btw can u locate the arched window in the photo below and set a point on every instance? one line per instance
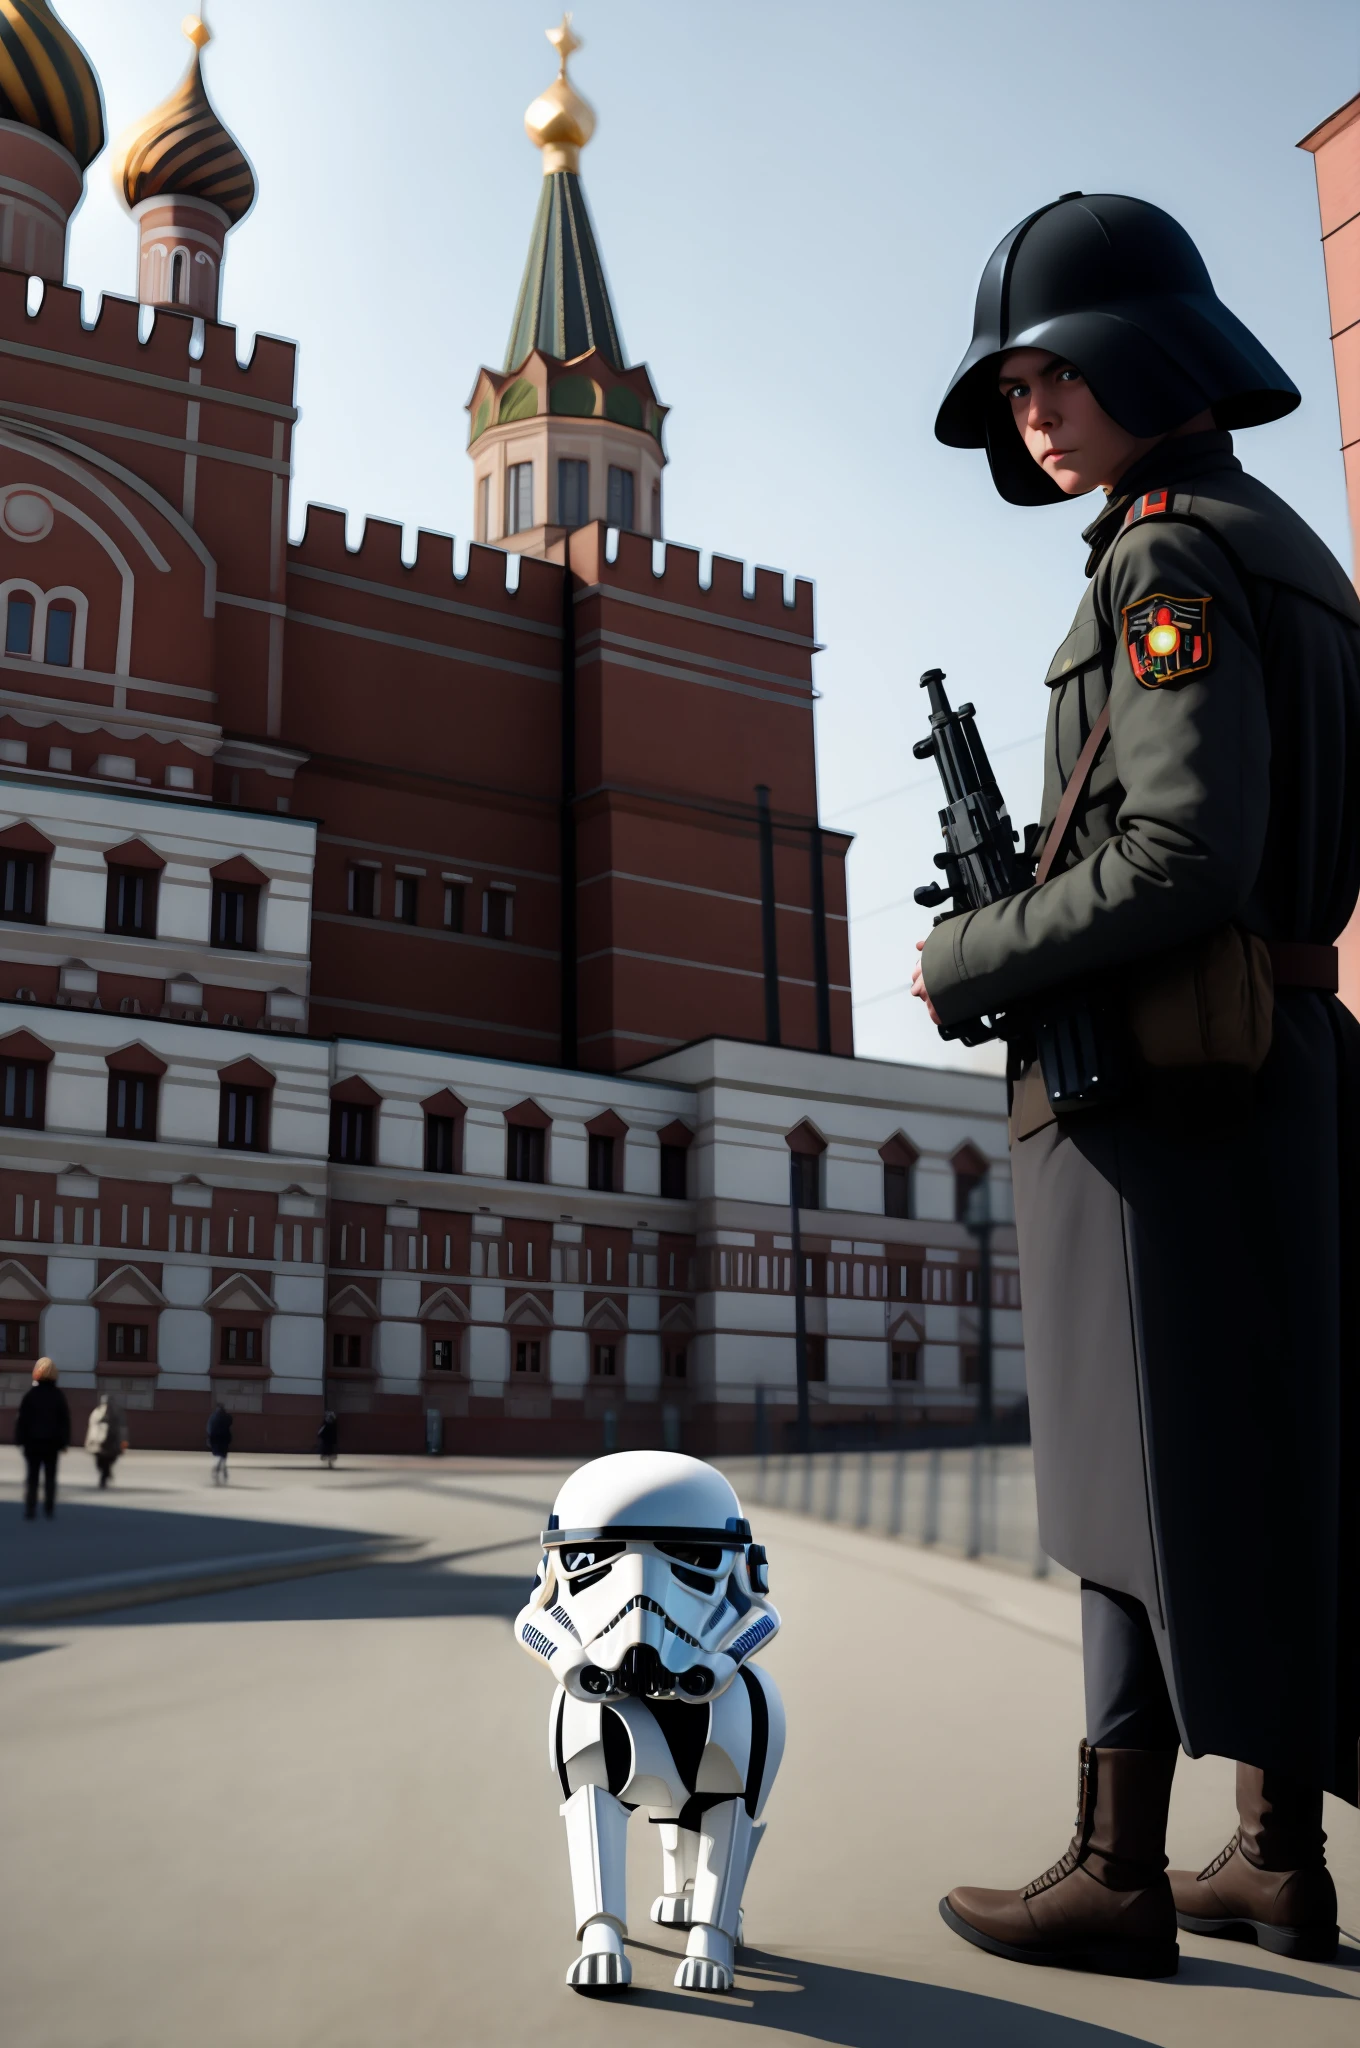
(60, 634)
(19, 624)
(179, 279)
(899, 1173)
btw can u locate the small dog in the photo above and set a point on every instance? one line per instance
(650, 1598)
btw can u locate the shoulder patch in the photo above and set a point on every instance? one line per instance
(1167, 637)
(1143, 508)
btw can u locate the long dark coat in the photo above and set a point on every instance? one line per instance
(1192, 1312)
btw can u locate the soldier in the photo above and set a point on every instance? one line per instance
(1191, 1322)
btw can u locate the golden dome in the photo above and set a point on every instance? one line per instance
(46, 80)
(181, 150)
(560, 122)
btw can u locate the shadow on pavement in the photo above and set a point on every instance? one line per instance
(1230, 1976)
(388, 1592)
(89, 1540)
(859, 2009)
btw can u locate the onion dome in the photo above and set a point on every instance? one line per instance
(182, 151)
(564, 308)
(46, 80)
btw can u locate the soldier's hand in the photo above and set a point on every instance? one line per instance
(918, 987)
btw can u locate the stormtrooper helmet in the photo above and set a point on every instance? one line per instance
(649, 1584)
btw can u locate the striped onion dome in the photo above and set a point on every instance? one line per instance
(46, 80)
(182, 151)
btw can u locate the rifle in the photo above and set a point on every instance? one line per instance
(1080, 1054)
(982, 861)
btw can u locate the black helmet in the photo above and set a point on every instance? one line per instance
(1118, 288)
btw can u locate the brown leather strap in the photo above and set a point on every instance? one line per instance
(1295, 964)
(1072, 795)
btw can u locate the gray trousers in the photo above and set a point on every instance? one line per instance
(1127, 1702)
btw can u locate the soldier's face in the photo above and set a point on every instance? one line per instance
(1064, 429)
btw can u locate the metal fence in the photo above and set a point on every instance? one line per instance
(977, 1502)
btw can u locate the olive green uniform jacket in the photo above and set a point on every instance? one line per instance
(1191, 1299)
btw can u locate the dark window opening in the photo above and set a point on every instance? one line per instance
(444, 1354)
(347, 1351)
(454, 906)
(528, 1355)
(244, 1117)
(967, 1181)
(179, 285)
(519, 497)
(19, 625)
(816, 1357)
(622, 490)
(21, 892)
(677, 1363)
(807, 1179)
(18, 1340)
(498, 913)
(524, 1152)
(363, 892)
(441, 1134)
(129, 1340)
(601, 1165)
(573, 493)
(674, 1172)
(352, 1133)
(132, 1105)
(897, 1191)
(906, 1363)
(61, 634)
(22, 1091)
(604, 1363)
(131, 903)
(405, 895)
(241, 1346)
(235, 914)
(971, 1368)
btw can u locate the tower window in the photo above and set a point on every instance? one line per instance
(674, 1172)
(131, 902)
(519, 497)
(363, 892)
(573, 493)
(61, 633)
(896, 1190)
(524, 1152)
(239, 1346)
(498, 913)
(128, 1340)
(235, 914)
(242, 1119)
(622, 491)
(528, 1355)
(484, 508)
(404, 896)
(807, 1178)
(179, 279)
(906, 1364)
(21, 895)
(601, 1164)
(352, 1133)
(132, 1106)
(605, 1361)
(440, 1141)
(22, 1088)
(453, 906)
(19, 624)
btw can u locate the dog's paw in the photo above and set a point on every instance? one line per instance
(701, 1973)
(673, 1909)
(600, 1973)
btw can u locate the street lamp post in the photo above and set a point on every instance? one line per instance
(981, 1223)
(799, 1310)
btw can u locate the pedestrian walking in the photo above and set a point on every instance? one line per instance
(219, 1442)
(328, 1439)
(1185, 1091)
(42, 1430)
(106, 1436)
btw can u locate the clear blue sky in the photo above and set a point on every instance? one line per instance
(794, 203)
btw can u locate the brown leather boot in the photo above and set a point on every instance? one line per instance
(1106, 1904)
(1270, 1884)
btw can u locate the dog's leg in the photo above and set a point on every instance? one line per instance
(724, 1858)
(597, 1840)
(679, 1862)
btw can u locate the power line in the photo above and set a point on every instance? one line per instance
(922, 782)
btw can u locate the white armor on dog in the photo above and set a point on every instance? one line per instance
(650, 1599)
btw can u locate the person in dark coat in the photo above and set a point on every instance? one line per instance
(1190, 1316)
(42, 1429)
(219, 1442)
(328, 1439)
